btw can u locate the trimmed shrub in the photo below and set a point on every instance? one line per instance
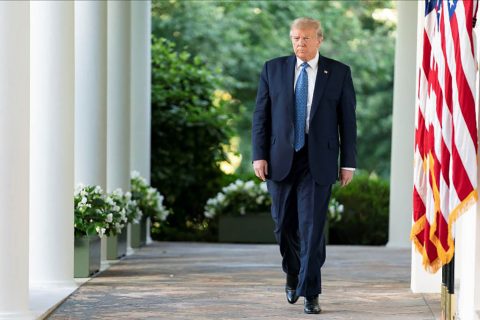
(364, 220)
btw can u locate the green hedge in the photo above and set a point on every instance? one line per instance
(366, 208)
(190, 127)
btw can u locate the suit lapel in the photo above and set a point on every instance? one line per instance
(322, 77)
(290, 76)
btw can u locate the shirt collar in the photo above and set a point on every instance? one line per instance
(312, 63)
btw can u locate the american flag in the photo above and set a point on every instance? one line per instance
(445, 158)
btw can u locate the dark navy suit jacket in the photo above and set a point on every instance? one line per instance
(332, 127)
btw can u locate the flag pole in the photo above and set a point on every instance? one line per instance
(448, 305)
(451, 308)
(444, 293)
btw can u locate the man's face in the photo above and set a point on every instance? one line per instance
(305, 43)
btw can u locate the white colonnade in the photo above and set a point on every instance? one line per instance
(65, 93)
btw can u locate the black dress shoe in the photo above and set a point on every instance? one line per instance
(311, 305)
(291, 289)
(291, 295)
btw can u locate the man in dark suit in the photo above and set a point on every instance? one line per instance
(304, 117)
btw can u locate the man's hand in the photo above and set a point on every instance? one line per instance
(346, 176)
(261, 169)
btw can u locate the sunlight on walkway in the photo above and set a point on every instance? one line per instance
(228, 281)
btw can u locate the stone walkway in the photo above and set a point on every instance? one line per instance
(198, 281)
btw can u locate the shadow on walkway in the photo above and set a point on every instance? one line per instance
(193, 281)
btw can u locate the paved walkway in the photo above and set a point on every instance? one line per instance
(197, 281)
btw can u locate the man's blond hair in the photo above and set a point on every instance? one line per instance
(307, 23)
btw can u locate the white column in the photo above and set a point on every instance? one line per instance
(140, 84)
(467, 264)
(140, 95)
(118, 101)
(14, 158)
(51, 144)
(118, 105)
(91, 93)
(421, 281)
(403, 124)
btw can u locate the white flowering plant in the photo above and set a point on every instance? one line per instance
(239, 198)
(134, 214)
(149, 200)
(90, 210)
(116, 209)
(335, 210)
(104, 214)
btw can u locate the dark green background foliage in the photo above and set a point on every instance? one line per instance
(227, 43)
(238, 36)
(365, 217)
(187, 133)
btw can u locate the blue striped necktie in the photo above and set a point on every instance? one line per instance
(301, 96)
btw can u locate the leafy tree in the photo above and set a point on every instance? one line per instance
(190, 127)
(238, 36)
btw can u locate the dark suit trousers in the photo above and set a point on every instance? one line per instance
(299, 207)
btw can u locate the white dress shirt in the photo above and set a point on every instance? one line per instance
(312, 77)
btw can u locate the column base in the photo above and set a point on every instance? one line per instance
(149, 236)
(130, 251)
(398, 245)
(47, 297)
(22, 315)
(421, 280)
(53, 284)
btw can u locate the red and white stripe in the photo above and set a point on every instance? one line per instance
(445, 158)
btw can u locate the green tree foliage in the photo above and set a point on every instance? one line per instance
(189, 128)
(238, 36)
